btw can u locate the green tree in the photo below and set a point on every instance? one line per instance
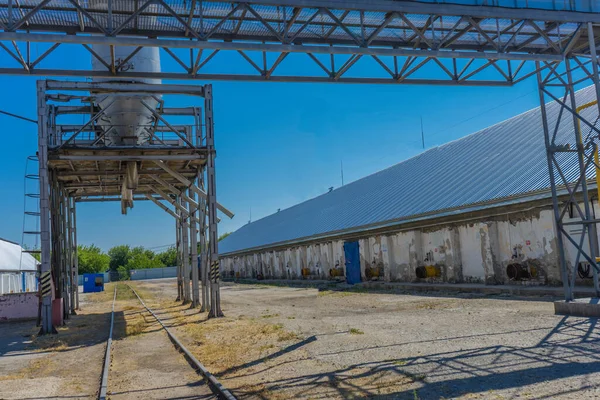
(223, 236)
(123, 273)
(119, 256)
(91, 259)
(141, 260)
(140, 250)
(168, 257)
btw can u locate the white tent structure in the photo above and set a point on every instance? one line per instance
(17, 269)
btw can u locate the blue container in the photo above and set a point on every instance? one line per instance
(93, 283)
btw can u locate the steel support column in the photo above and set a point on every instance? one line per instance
(75, 254)
(211, 198)
(203, 249)
(187, 298)
(66, 292)
(596, 80)
(569, 160)
(70, 254)
(194, 251)
(179, 248)
(45, 245)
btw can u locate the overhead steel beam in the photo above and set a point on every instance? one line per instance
(161, 205)
(103, 199)
(446, 8)
(392, 30)
(193, 187)
(267, 47)
(254, 78)
(116, 157)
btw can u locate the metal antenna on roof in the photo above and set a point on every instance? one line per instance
(422, 133)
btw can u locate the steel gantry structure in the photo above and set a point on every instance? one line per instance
(174, 169)
(451, 42)
(266, 40)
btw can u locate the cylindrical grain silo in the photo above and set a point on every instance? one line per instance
(127, 118)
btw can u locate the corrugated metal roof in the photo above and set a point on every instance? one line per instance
(504, 160)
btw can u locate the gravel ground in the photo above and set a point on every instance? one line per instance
(67, 365)
(144, 362)
(390, 346)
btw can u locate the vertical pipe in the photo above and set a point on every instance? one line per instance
(185, 254)
(213, 236)
(194, 251)
(550, 158)
(45, 243)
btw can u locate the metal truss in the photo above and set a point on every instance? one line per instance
(380, 41)
(79, 163)
(571, 160)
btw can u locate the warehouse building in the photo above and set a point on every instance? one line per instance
(17, 269)
(477, 209)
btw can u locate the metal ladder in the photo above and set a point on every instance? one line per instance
(31, 208)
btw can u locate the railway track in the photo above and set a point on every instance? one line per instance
(217, 389)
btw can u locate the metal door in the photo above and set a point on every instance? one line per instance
(352, 256)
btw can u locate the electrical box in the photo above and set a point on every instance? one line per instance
(93, 283)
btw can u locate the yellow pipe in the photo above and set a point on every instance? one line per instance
(577, 110)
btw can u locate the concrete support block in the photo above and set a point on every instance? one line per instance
(587, 307)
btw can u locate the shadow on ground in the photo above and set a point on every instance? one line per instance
(571, 349)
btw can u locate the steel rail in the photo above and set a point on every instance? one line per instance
(106, 367)
(215, 385)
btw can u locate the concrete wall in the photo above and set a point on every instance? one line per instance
(18, 306)
(153, 273)
(478, 251)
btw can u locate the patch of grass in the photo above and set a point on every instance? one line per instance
(291, 317)
(400, 362)
(39, 367)
(224, 344)
(287, 335)
(270, 316)
(135, 325)
(434, 305)
(355, 331)
(124, 292)
(335, 293)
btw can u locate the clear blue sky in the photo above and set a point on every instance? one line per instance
(277, 144)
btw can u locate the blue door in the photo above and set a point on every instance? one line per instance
(352, 256)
